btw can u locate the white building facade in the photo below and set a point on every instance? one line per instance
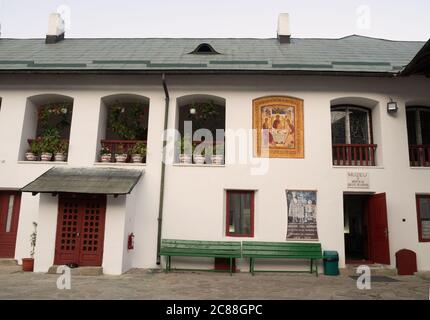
(195, 197)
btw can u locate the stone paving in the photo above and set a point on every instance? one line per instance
(147, 284)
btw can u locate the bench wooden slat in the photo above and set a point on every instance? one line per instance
(197, 248)
(281, 250)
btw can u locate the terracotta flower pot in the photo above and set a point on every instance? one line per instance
(28, 264)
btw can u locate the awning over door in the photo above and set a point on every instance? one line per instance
(109, 181)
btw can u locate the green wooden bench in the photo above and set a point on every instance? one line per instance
(281, 250)
(208, 249)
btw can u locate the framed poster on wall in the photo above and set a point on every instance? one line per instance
(302, 215)
(278, 127)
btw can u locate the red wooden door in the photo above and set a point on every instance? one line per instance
(80, 230)
(10, 203)
(378, 229)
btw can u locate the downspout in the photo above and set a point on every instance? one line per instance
(163, 167)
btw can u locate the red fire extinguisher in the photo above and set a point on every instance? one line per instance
(130, 242)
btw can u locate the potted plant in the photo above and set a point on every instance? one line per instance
(49, 142)
(200, 158)
(138, 152)
(186, 146)
(33, 152)
(105, 154)
(218, 157)
(61, 151)
(121, 155)
(28, 263)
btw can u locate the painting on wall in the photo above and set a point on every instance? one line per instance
(278, 127)
(302, 215)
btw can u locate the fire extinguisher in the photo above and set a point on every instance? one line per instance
(130, 242)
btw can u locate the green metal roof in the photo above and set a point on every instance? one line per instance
(349, 54)
(85, 180)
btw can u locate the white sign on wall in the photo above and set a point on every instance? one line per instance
(358, 180)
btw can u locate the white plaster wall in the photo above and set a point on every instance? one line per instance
(46, 233)
(29, 212)
(194, 196)
(113, 262)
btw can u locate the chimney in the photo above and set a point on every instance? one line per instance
(55, 28)
(284, 32)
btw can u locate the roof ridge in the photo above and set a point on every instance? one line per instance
(226, 38)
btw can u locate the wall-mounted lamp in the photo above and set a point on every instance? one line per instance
(193, 111)
(392, 106)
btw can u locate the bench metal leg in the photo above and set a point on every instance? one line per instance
(316, 265)
(253, 266)
(231, 267)
(312, 266)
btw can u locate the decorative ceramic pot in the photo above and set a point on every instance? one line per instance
(59, 156)
(217, 159)
(30, 156)
(137, 158)
(199, 159)
(185, 159)
(121, 158)
(46, 156)
(106, 157)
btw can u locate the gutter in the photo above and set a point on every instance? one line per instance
(204, 72)
(163, 168)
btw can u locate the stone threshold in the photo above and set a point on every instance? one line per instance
(80, 271)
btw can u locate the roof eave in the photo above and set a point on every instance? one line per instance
(204, 72)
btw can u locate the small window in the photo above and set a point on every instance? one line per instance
(418, 120)
(9, 213)
(351, 125)
(240, 214)
(423, 210)
(204, 48)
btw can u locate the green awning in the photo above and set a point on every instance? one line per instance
(111, 181)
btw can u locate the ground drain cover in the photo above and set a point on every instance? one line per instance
(378, 279)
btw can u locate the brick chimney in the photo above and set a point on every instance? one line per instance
(284, 31)
(56, 28)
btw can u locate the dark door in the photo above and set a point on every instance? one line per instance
(10, 202)
(80, 230)
(378, 227)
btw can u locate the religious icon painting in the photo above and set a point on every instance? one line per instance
(278, 127)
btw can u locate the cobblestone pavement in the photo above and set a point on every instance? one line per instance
(147, 284)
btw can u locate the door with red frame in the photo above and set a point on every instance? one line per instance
(378, 229)
(10, 203)
(80, 230)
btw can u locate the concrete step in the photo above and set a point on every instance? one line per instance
(8, 262)
(80, 271)
(375, 269)
(425, 275)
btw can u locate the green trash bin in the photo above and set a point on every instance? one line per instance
(331, 263)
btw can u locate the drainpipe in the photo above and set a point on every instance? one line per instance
(163, 167)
